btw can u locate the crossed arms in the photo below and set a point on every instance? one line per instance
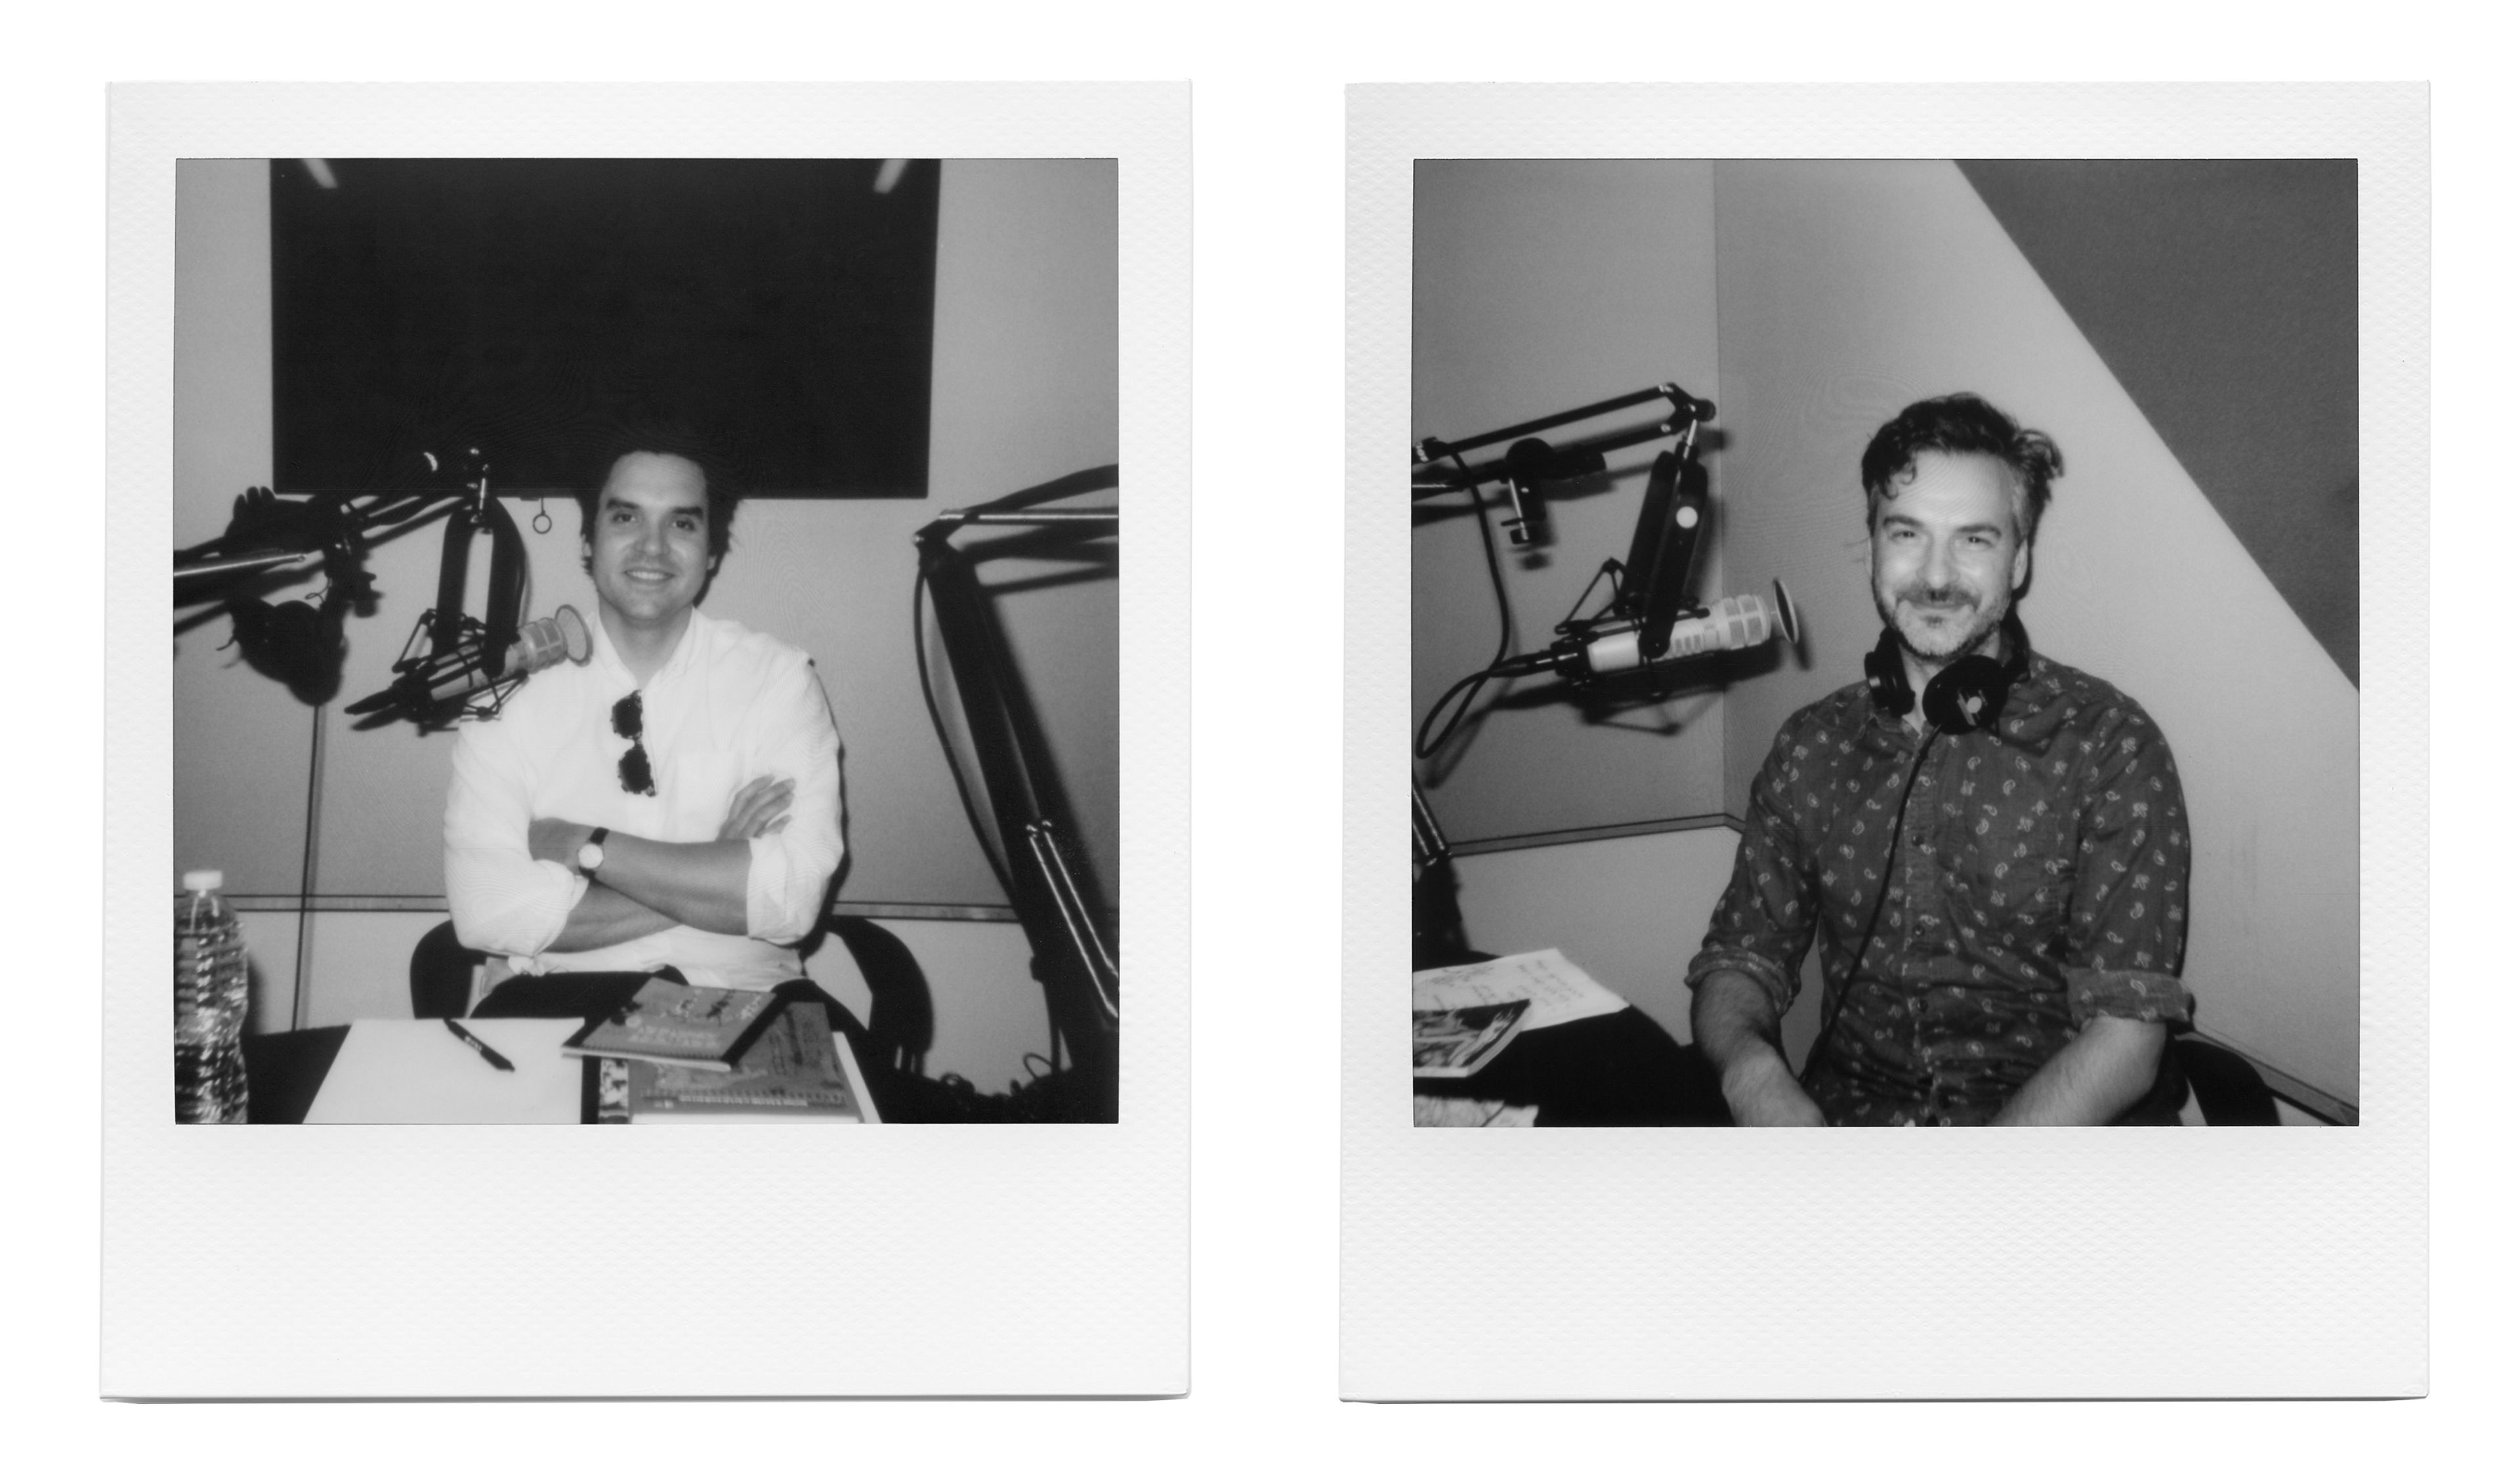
(526, 793)
(651, 886)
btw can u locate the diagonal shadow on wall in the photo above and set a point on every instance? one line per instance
(2221, 295)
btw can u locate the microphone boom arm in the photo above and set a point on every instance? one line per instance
(1683, 407)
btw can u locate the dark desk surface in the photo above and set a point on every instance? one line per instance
(284, 1070)
(1617, 1069)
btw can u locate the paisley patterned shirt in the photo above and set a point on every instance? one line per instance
(2041, 881)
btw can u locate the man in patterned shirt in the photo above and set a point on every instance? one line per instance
(1997, 875)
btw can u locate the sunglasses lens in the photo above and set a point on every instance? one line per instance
(627, 723)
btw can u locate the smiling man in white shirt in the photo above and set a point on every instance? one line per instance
(674, 802)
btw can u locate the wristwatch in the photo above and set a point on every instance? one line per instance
(590, 853)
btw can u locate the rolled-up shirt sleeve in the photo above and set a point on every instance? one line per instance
(1763, 925)
(502, 898)
(791, 869)
(2128, 929)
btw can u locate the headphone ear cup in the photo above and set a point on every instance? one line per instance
(1967, 696)
(293, 643)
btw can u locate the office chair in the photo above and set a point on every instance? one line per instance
(901, 1018)
(903, 1015)
(441, 973)
(2228, 1090)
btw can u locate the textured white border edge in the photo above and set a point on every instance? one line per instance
(1638, 1264)
(943, 1260)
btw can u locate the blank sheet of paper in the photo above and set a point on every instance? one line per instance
(393, 1072)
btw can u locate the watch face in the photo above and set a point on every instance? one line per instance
(590, 857)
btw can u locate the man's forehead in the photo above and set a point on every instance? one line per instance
(656, 480)
(1966, 488)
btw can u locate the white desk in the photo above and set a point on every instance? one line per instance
(414, 1072)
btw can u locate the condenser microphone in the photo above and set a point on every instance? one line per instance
(1734, 623)
(541, 644)
(453, 677)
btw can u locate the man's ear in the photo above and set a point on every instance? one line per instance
(2020, 569)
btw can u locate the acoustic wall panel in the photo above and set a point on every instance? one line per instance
(2221, 294)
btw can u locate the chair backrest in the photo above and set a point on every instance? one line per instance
(441, 973)
(2228, 1090)
(901, 1021)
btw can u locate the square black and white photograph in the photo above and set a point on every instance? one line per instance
(1886, 601)
(648, 646)
(519, 500)
(1679, 650)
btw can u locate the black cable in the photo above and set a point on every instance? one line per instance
(1427, 751)
(1889, 870)
(1496, 569)
(1505, 632)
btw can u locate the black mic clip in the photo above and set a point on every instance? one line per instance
(1567, 657)
(1530, 463)
(429, 662)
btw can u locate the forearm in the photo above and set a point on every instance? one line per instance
(607, 917)
(1733, 1021)
(703, 885)
(1734, 1024)
(2107, 1067)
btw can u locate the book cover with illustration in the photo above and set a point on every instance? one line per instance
(668, 1022)
(1456, 1042)
(796, 1069)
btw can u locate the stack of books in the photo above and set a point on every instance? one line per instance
(683, 1053)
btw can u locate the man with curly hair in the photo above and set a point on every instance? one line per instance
(1990, 847)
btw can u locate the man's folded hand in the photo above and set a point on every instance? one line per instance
(759, 809)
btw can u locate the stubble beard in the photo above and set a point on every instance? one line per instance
(1936, 648)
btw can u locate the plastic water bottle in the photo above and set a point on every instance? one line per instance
(209, 1005)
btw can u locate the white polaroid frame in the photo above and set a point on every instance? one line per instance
(1711, 1264)
(384, 1261)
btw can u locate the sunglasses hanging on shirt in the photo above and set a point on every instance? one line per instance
(628, 722)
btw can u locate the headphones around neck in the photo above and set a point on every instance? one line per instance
(1967, 694)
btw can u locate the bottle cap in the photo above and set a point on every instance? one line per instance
(200, 880)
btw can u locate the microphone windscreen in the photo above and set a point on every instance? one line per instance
(541, 644)
(581, 644)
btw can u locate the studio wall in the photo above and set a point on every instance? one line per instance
(2221, 294)
(1542, 286)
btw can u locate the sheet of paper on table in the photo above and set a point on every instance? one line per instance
(1557, 988)
(415, 1072)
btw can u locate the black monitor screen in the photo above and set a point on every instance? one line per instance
(784, 308)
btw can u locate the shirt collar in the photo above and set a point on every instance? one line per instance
(608, 658)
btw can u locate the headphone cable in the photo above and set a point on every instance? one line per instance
(1889, 865)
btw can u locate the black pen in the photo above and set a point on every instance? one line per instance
(498, 1060)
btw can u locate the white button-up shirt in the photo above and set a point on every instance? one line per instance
(730, 705)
